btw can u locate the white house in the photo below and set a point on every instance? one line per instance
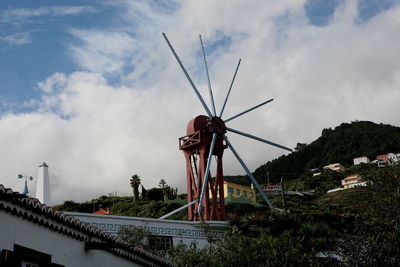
(360, 160)
(335, 167)
(352, 181)
(32, 234)
(393, 158)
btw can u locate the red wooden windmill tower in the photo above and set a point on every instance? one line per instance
(206, 138)
(196, 146)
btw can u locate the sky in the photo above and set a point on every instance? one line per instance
(92, 89)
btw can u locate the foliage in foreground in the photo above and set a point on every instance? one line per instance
(267, 246)
(364, 229)
(237, 249)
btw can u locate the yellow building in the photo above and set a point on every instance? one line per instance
(240, 192)
(237, 190)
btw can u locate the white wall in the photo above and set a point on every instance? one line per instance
(180, 231)
(360, 160)
(63, 249)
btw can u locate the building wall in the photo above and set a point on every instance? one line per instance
(181, 231)
(335, 167)
(242, 188)
(360, 160)
(350, 181)
(63, 249)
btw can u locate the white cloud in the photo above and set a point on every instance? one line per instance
(102, 51)
(20, 15)
(17, 39)
(94, 135)
(55, 82)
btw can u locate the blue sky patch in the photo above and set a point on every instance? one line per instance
(35, 36)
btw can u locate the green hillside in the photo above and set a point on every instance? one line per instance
(341, 144)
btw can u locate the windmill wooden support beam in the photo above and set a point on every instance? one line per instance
(196, 147)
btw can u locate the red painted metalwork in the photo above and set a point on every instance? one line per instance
(196, 146)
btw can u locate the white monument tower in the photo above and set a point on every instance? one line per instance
(43, 186)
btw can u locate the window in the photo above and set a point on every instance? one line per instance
(160, 242)
(245, 193)
(238, 192)
(25, 257)
(230, 190)
(250, 194)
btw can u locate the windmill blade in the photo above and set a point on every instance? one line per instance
(208, 77)
(230, 87)
(207, 172)
(187, 76)
(178, 209)
(248, 172)
(250, 109)
(258, 139)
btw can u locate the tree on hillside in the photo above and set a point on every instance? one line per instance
(300, 146)
(155, 194)
(144, 192)
(135, 182)
(163, 185)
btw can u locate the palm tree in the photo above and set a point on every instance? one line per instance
(135, 182)
(163, 184)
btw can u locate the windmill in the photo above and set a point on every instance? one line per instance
(26, 177)
(206, 137)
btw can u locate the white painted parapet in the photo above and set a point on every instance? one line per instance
(181, 231)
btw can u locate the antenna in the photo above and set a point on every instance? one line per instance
(26, 177)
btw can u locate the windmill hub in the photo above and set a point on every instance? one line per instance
(217, 125)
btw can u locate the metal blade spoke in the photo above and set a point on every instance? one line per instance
(257, 138)
(250, 109)
(178, 209)
(207, 172)
(248, 172)
(230, 87)
(208, 77)
(187, 76)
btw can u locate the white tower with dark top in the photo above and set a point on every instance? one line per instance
(43, 184)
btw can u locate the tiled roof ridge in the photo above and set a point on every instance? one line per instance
(34, 205)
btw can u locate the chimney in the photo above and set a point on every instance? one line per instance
(43, 186)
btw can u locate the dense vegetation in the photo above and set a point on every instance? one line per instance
(341, 144)
(361, 225)
(151, 206)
